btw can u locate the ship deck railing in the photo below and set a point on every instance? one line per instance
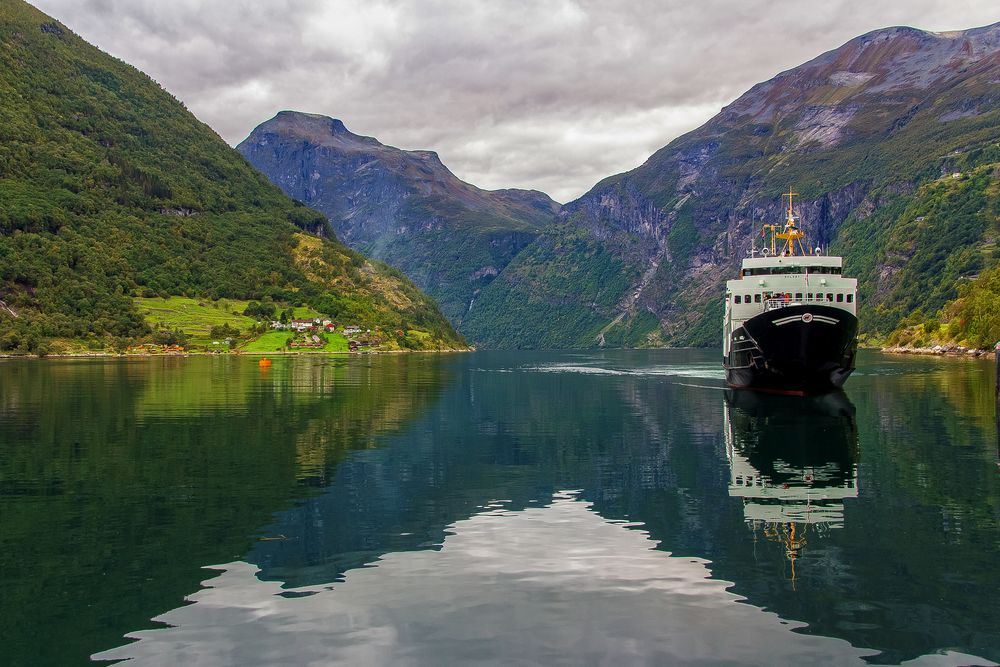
(772, 304)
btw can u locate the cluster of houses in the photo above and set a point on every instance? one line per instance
(315, 325)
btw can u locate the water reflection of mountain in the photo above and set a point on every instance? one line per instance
(648, 450)
(120, 479)
(499, 433)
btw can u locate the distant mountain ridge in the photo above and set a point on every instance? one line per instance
(403, 207)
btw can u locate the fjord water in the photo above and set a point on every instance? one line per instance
(547, 508)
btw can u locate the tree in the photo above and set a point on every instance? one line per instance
(259, 310)
(224, 331)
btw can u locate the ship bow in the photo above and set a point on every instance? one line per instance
(803, 349)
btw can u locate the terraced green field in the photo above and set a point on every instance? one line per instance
(194, 316)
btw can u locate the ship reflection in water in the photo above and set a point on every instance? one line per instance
(793, 461)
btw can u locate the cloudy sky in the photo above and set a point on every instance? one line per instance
(546, 94)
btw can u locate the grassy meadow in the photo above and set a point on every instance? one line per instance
(275, 341)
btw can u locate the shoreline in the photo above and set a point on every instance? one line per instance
(938, 351)
(149, 355)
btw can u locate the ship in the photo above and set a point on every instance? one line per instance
(790, 323)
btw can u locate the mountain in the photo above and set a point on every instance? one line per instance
(403, 207)
(892, 142)
(111, 190)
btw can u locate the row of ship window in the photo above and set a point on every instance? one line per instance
(758, 298)
(751, 480)
(779, 270)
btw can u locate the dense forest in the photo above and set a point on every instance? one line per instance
(927, 263)
(111, 190)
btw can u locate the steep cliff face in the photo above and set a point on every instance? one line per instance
(404, 207)
(857, 131)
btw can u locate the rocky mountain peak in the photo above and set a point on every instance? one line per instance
(313, 128)
(987, 36)
(402, 206)
(888, 61)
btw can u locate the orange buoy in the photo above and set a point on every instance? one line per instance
(264, 363)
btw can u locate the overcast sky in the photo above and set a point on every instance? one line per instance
(545, 94)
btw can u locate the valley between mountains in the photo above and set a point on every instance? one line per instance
(125, 221)
(891, 139)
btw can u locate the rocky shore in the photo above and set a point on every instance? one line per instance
(939, 350)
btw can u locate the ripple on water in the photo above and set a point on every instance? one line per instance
(702, 371)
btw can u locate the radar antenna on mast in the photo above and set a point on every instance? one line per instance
(791, 215)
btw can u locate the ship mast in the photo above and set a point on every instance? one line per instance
(790, 233)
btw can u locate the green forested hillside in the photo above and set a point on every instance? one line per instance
(944, 276)
(110, 190)
(562, 263)
(971, 320)
(923, 248)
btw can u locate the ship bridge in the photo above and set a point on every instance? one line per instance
(794, 264)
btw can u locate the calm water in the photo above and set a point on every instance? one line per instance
(529, 508)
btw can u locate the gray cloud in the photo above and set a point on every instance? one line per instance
(511, 93)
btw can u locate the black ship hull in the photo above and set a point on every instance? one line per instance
(799, 349)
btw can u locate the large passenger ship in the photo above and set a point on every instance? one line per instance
(791, 317)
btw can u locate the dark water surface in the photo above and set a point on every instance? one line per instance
(526, 508)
